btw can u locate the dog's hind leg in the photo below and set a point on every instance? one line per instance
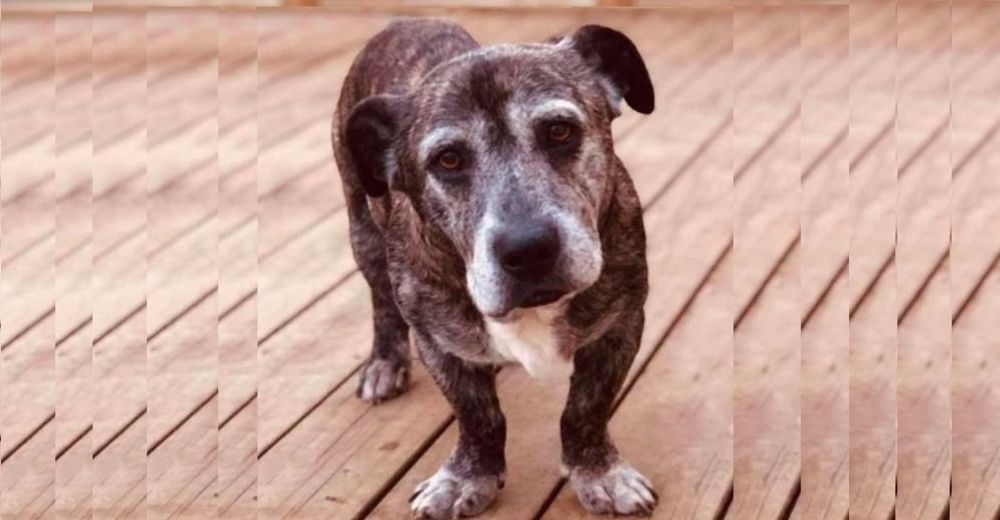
(386, 374)
(603, 481)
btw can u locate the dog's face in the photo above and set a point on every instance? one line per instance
(507, 151)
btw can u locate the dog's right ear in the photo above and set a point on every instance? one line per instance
(371, 132)
(615, 57)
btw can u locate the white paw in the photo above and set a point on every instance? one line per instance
(383, 379)
(621, 490)
(448, 496)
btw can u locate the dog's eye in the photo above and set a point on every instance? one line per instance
(560, 132)
(450, 160)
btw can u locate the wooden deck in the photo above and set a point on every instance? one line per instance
(182, 320)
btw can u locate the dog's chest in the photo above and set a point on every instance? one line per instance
(531, 341)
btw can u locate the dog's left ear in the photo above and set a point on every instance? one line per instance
(371, 134)
(615, 57)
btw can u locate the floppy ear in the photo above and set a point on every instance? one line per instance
(614, 56)
(371, 131)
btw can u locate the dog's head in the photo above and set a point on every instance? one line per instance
(507, 151)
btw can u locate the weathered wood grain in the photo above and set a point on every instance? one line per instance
(74, 230)
(182, 358)
(872, 313)
(973, 265)
(119, 353)
(28, 218)
(825, 241)
(923, 230)
(765, 274)
(237, 324)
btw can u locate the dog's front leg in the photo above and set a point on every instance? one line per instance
(471, 476)
(602, 480)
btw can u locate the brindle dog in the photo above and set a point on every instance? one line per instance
(493, 220)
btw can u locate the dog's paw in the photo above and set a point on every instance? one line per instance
(447, 496)
(383, 379)
(621, 490)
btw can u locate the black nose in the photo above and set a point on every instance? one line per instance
(527, 251)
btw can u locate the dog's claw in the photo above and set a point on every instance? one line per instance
(383, 379)
(619, 490)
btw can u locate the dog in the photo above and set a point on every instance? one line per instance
(492, 219)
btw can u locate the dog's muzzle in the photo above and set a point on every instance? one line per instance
(528, 252)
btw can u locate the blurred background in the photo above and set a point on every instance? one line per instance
(182, 322)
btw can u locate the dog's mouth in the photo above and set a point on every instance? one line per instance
(535, 298)
(541, 297)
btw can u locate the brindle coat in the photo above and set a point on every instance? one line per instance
(414, 233)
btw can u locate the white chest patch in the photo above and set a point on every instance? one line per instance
(531, 341)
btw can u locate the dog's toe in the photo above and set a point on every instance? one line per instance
(434, 498)
(447, 496)
(383, 379)
(620, 490)
(473, 501)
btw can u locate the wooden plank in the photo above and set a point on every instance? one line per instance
(297, 195)
(183, 469)
(178, 264)
(29, 313)
(766, 280)
(162, 345)
(974, 275)
(74, 230)
(237, 418)
(119, 372)
(237, 328)
(28, 179)
(976, 476)
(872, 315)
(182, 358)
(176, 198)
(27, 215)
(241, 290)
(120, 476)
(74, 482)
(923, 231)
(78, 149)
(825, 239)
(113, 122)
(873, 205)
